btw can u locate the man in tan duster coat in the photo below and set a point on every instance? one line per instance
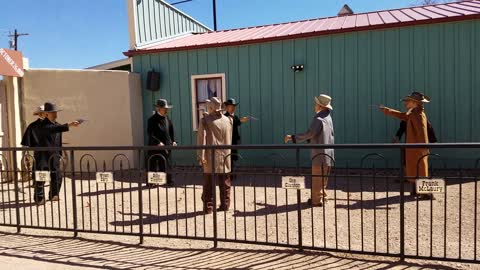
(416, 119)
(215, 129)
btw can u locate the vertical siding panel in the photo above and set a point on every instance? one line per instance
(392, 95)
(233, 81)
(338, 86)
(141, 22)
(288, 87)
(172, 21)
(174, 86)
(212, 60)
(184, 124)
(146, 12)
(364, 87)
(462, 81)
(311, 75)
(419, 58)
(202, 62)
(192, 70)
(244, 89)
(152, 20)
(167, 21)
(158, 19)
(303, 112)
(255, 95)
(433, 88)
(278, 98)
(162, 21)
(351, 88)
(325, 63)
(448, 101)
(475, 101)
(267, 95)
(222, 62)
(380, 133)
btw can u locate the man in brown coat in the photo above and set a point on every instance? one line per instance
(416, 158)
(215, 129)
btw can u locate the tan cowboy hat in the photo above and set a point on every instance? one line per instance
(417, 96)
(324, 101)
(39, 110)
(215, 104)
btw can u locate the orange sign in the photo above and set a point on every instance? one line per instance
(11, 63)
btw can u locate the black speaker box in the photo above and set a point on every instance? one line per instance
(153, 81)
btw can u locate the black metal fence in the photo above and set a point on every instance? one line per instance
(369, 209)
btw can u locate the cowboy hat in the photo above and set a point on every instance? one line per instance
(417, 96)
(50, 107)
(230, 101)
(163, 103)
(215, 104)
(324, 101)
(39, 110)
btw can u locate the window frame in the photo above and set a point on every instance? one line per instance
(194, 79)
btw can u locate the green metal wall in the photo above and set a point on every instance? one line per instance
(357, 69)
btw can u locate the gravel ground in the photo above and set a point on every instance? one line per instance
(262, 211)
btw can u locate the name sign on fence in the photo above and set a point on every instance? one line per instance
(42, 176)
(427, 186)
(159, 178)
(104, 177)
(293, 182)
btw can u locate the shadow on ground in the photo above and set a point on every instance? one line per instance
(113, 255)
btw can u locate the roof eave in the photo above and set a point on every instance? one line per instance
(306, 35)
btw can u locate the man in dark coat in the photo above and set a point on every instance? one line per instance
(30, 139)
(230, 106)
(49, 133)
(160, 132)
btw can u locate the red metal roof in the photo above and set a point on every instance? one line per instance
(456, 11)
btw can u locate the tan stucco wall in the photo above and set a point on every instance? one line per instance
(110, 100)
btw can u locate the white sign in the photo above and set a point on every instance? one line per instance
(159, 178)
(104, 177)
(42, 176)
(293, 182)
(428, 186)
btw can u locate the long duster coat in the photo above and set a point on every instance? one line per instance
(215, 129)
(416, 133)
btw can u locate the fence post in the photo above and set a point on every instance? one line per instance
(15, 180)
(402, 205)
(214, 190)
(140, 195)
(74, 193)
(299, 203)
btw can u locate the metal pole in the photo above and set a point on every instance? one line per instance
(15, 178)
(15, 38)
(140, 197)
(214, 192)
(299, 204)
(74, 194)
(402, 206)
(215, 15)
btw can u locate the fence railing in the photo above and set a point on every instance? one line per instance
(368, 208)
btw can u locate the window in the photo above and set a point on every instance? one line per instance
(203, 88)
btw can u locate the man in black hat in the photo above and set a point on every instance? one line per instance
(160, 132)
(230, 106)
(50, 135)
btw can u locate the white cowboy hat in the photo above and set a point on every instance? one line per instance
(324, 101)
(215, 104)
(39, 110)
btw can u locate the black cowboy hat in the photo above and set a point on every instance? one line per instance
(163, 103)
(417, 96)
(230, 101)
(50, 107)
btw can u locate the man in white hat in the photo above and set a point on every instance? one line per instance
(319, 132)
(215, 129)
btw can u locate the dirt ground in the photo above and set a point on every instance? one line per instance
(363, 213)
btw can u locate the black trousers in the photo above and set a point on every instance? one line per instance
(55, 185)
(159, 161)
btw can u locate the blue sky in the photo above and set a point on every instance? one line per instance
(83, 33)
